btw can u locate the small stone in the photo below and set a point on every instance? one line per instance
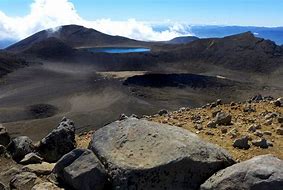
(268, 133)
(253, 128)
(222, 118)
(209, 133)
(242, 143)
(268, 122)
(196, 118)
(249, 109)
(280, 119)
(278, 102)
(214, 113)
(232, 104)
(270, 116)
(213, 105)
(258, 133)
(199, 127)
(224, 130)
(262, 143)
(163, 112)
(218, 101)
(31, 158)
(134, 116)
(183, 109)
(211, 124)
(257, 98)
(233, 133)
(279, 131)
(268, 98)
(122, 117)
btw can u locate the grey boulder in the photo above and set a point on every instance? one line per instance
(259, 173)
(140, 154)
(59, 142)
(81, 169)
(19, 147)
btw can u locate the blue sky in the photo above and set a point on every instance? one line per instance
(227, 12)
(137, 19)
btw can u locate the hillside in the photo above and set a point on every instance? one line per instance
(10, 62)
(50, 48)
(242, 52)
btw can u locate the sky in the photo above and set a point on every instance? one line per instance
(134, 18)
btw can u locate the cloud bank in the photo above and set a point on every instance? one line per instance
(52, 13)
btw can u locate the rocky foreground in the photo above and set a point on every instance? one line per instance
(220, 146)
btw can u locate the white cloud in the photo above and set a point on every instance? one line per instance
(52, 13)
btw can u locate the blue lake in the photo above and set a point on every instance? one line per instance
(117, 50)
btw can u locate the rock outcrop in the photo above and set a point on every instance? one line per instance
(59, 142)
(81, 169)
(140, 154)
(259, 173)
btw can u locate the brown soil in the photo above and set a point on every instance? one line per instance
(240, 121)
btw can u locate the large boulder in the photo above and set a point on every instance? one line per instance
(59, 142)
(140, 154)
(4, 136)
(259, 173)
(81, 169)
(19, 147)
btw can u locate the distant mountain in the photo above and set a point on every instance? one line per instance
(214, 31)
(273, 33)
(183, 40)
(74, 36)
(237, 52)
(241, 52)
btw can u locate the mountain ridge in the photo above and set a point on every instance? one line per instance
(73, 35)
